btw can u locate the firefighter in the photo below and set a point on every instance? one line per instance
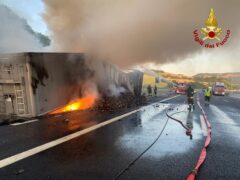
(207, 95)
(190, 94)
(155, 90)
(149, 88)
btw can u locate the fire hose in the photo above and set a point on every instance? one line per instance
(140, 155)
(203, 153)
(188, 130)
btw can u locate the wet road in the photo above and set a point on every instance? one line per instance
(105, 153)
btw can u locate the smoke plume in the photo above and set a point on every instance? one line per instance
(16, 35)
(136, 31)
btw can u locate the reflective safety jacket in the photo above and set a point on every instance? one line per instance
(207, 92)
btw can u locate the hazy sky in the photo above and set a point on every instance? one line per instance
(31, 10)
(202, 63)
(224, 59)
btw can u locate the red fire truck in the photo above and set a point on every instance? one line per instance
(181, 88)
(218, 89)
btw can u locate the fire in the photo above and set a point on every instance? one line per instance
(77, 104)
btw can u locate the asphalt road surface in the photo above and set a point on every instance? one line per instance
(144, 144)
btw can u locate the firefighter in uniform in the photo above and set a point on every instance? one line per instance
(149, 88)
(190, 96)
(207, 95)
(155, 90)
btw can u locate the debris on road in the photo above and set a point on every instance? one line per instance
(20, 171)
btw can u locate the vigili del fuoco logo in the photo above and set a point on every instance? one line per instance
(211, 34)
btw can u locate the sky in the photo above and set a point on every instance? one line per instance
(205, 60)
(30, 10)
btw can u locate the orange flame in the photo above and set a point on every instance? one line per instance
(77, 104)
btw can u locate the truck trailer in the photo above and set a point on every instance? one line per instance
(33, 84)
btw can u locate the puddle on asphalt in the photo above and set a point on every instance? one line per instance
(149, 113)
(173, 139)
(231, 112)
(229, 126)
(222, 117)
(176, 141)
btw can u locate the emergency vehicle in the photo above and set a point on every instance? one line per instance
(181, 88)
(218, 89)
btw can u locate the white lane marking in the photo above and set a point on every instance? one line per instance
(199, 104)
(27, 122)
(33, 151)
(59, 115)
(169, 98)
(226, 101)
(203, 126)
(20, 156)
(222, 116)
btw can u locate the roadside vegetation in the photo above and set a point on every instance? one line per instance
(231, 80)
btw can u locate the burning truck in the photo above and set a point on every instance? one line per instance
(33, 84)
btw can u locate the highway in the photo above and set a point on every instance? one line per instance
(143, 144)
